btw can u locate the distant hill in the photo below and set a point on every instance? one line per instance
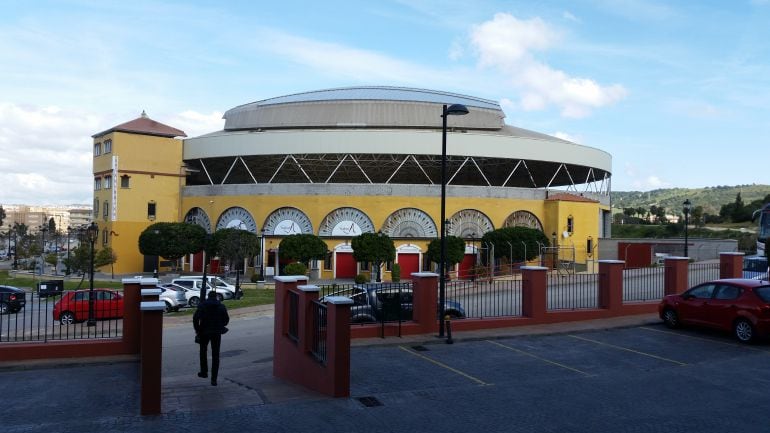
(711, 198)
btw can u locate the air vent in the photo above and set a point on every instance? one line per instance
(369, 401)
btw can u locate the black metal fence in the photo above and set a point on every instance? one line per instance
(644, 284)
(318, 346)
(481, 299)
(61, 316)
(573, 291)
(375, 302)
(698, 273)
(293, 316)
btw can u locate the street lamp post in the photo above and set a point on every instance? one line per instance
(15, 247)
(9, 241)
(262, 256)
(43, 229)
(67, 268)
(555, 249)
(452, 110)
(686, 207)
(92, 232)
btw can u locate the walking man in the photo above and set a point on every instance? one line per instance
(210, 321)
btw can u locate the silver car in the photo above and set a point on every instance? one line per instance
(174, 297)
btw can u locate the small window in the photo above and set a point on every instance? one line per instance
(570, 224)
(328, 261)
(106, 209)
(105, 236)
(97, 183)
(151, 210)
(364, 266)
(96, 208)
(107, 182)
(97, 149)
(125, 181)
(107, 146)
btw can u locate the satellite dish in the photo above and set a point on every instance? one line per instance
(565, 234)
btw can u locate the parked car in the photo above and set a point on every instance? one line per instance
(213, 280)
(12, 299)
(193, 290)
(174, 296)
(740, 306)
(755, 267)
(73, 306)
(387, 302)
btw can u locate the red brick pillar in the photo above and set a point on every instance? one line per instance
(425, 301)
(151, 346)
(611, 284)
(676, 278)
(283, 361)
(338, 343)
(534, 292)
(131, 317)
(308, 294)
(730, 265)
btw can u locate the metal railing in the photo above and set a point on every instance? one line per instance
(318, 345)
(643, 284)
(573, 291)
(61, 316)
(293, 331)
(698, 273)
(374, 302)
(483, 298)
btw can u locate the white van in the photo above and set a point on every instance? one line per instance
(194, 285)
(213, 280)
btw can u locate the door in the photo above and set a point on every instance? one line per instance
(466, 267)
(345, 265)
(692, 308)
(720, 311)
(409, 263)
(197, 262)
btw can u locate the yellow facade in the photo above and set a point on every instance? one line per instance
(153, 167)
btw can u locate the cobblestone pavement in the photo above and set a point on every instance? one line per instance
(633, 379)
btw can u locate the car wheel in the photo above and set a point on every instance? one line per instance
(194, 301)
(220, 298)
(67, 318)
(670, 318)
(4, 309)
(168, 308)
(744, 331)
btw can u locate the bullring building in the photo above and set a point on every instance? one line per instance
(340, 162)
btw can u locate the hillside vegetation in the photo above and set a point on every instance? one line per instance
(710, 198)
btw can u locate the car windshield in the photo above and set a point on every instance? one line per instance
(763, 292)
(757, 265)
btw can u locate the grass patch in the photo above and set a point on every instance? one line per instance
(251, 297)
(27, 282)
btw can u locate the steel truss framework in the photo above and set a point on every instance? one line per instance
(369, 168)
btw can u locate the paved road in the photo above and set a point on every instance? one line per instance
(639, 379)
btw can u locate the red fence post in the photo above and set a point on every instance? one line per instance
(338, 343)
(676, 276)
(425, 300)
(534, 292)
(308, 294)
(152, 351)
(611, 284)
(283, 362)
(131, 315)
(730, 265)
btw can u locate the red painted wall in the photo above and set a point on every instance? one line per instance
(636, 255)
(466, 266)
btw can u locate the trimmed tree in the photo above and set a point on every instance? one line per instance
(106, 256)
(303, 248)
(375, 248)
(455, 251)
(172, 241)
(234, 245)
(523, 243)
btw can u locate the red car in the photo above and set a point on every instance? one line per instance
(73, 306)
(741, 306)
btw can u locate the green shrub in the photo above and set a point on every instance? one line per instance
(254, 278)
(395, 273)
(295, 268)
(361, 279)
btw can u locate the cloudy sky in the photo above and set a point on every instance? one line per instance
(678, 92)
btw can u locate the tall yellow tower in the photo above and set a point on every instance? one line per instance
(137, 181)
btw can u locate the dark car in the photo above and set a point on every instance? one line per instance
(12, 299)
(387, 302)
(740, 306)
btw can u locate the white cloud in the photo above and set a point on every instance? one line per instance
(508, 45)
(565, 136)
(195, 124)
(567, 15)
(693, 109)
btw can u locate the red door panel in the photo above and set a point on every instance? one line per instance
(197, 264)
(409, 263)
(345, 265)
(466, 266)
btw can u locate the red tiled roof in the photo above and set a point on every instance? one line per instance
(144, 125)
(562, 196)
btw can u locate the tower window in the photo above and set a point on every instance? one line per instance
(106, 210)
(96, 208)
(570, 224)
(107, 146)
(125, 181)
(97, 183)
(107, 182)
(151, 210)
(97, 149)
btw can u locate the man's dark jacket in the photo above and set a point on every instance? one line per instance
(210, 318)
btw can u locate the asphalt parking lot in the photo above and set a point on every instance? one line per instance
(637, 379)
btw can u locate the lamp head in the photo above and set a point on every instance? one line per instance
(686, 206)
(92, 231)
(456, 110)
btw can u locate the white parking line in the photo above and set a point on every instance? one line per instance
(522, 352)
(629, 350)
